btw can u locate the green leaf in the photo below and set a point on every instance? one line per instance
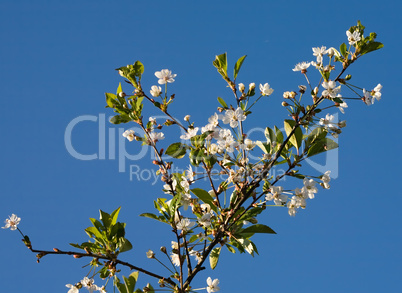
(278, 135)
(258, 228)
(120, 119)
(105, 218)
(97, 224)
(321, 146)
(214, 257)
(221, 64)
(372, 46)
(93, 232)
(297, 137)
(154, 217)
(270, 135)
(176, 150)
(130, 282)
(230, 248)
(223, 103)
(205, 197)
(343, 49)
(124, 245)
(114, 215)
(119, 89)
(238, 66)
(265, 147)
(196, 156)
(111, 100)
(104, 273)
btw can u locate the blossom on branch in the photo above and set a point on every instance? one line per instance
(302, 67)
(165, 76)
(354, 37)
(266, 90)
(233, 117)
(73, 288)
(212, 285)
(155, 91)
(12, 222)
(331, 90)
(129, 134)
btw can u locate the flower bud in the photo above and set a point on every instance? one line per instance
(187, 118)
(284, 104)
(251, 86)
(122, 94)
(163, 249)
(302, 89)
(150, 254)
(316, 90)
(242, 87)
(286, 95)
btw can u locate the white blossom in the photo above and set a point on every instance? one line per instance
(196, 254)
(155, 91)
(155, 136)
(319, 52)
(367, 98)
(248, 144)
(169, 187)
(129, 134)
(342, 105)
(190, 173)
(331, 89)
(376, 93)
(205, 220)
(184, 224)
(165, 76)
(309, 188)
(212, 285)
(191, 132)
(302, 66)
(276, 195)
(185, 200)
(150, 254)
(354, 37)
(12, 222)
(185, 184)
(187, 118)
(233, 117)
(326, 178)
(175, 259)
(73, 288)
(241, 87)
(327, 121)
(266, 90)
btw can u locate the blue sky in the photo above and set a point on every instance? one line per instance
(58, 59)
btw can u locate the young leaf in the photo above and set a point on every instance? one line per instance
(297, 137)
(238, 66)
(343, 50)
(114, 215)
(223, 103)
(214, 257)
(111, 100)
(176, 150)
(204, 196)
(321, 146)
(258, 228)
